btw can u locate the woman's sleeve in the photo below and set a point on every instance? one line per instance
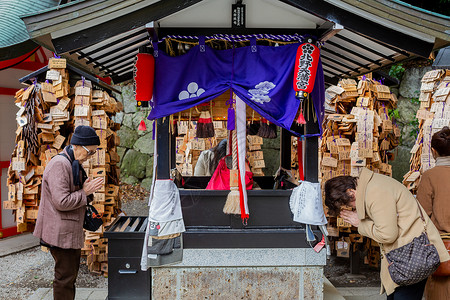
(61, 196)
(425, 194)
(382, 225)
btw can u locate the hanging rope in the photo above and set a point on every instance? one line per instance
(234, 151)
(242, 38)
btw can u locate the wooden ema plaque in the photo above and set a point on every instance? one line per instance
(353, 138)
(57, 113)
(57, 63)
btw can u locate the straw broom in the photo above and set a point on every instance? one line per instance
(232, 205)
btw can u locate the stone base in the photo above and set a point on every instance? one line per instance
(272, 274)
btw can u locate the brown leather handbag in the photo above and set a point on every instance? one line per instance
(444, 268)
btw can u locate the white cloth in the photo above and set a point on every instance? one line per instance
(165, 209)
(155, 163)
(306, 204)
(166, 228)
(241, 129)
(165, 205)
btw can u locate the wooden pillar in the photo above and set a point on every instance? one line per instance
(311, 161)
(164, 148)
(285, 149)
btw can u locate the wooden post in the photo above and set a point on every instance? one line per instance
(164, 148)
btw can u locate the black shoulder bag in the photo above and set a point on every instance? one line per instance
(92, 219)
(414, 261)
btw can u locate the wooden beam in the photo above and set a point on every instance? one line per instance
(93, 35)
(345, 58)
(122, 78)
(364, 47)
(110, 45)
(76, 70)
(196, 31)
(363, 26)
(355, 53)
(331, 80)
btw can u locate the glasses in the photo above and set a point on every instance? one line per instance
(89, 152)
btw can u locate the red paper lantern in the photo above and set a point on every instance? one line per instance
(306, 62)
(143, 77)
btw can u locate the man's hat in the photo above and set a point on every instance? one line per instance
(85, 136)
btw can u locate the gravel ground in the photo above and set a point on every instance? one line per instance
(24, 272)
(337, 271)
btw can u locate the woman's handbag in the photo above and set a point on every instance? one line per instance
(414, 261)
(92, 219)
(444, 268)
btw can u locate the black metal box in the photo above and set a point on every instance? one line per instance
(126, 280)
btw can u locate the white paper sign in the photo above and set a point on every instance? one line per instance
(52, 75)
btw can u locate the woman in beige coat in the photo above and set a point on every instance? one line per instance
(433, 194)
(387, 213)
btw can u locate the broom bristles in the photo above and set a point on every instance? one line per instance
(232, 205)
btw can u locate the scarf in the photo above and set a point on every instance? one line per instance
(443, 161)
(76, 168)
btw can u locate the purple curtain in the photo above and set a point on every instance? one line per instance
(262, 76)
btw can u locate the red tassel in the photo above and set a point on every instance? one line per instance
(301, 118)
(142, 126)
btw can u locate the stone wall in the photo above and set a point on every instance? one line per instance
(270, 273)
(136, 147)
(408, 89)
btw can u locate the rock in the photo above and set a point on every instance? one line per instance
(394, 90)
(149, 168)
(411, 82)
(134, 163)
(121, 151)
(407, 110)
(118, 96)
(118, 118)
(127, 137)
(138, 117)
(400, 165)
(147, 183)
(145, 144)
(129, 103)
(128, 120)
(129, 179)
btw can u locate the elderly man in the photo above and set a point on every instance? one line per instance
(64, 196)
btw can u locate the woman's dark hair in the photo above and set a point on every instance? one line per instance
(219, 151)
(441, 142)
(336, 193)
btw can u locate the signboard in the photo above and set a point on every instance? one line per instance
(238, 15)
